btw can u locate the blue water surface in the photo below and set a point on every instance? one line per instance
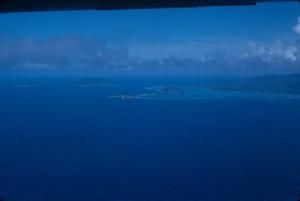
(69, 143)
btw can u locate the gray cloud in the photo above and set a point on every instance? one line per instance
(63, 53)
(77, 54)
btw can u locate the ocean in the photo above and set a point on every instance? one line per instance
(61, 141)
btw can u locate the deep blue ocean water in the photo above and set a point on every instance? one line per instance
(77, 144)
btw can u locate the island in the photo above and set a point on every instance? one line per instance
(275, 84)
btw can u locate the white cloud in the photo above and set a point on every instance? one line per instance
(297, 27)
(272, 53)
(291, 54)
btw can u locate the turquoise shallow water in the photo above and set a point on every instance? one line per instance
(61, 142)
(197, 93)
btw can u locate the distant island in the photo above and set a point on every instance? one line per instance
(167, 90)
(125, 97)
(77, 82)
(91, 82)
(276, 84)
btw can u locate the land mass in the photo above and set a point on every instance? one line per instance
(276, 84)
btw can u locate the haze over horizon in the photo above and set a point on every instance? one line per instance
(204, 41)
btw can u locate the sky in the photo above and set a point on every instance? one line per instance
(247, 40)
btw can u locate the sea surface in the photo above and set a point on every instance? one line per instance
(63, 140)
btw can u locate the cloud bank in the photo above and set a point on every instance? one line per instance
(205, 56)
